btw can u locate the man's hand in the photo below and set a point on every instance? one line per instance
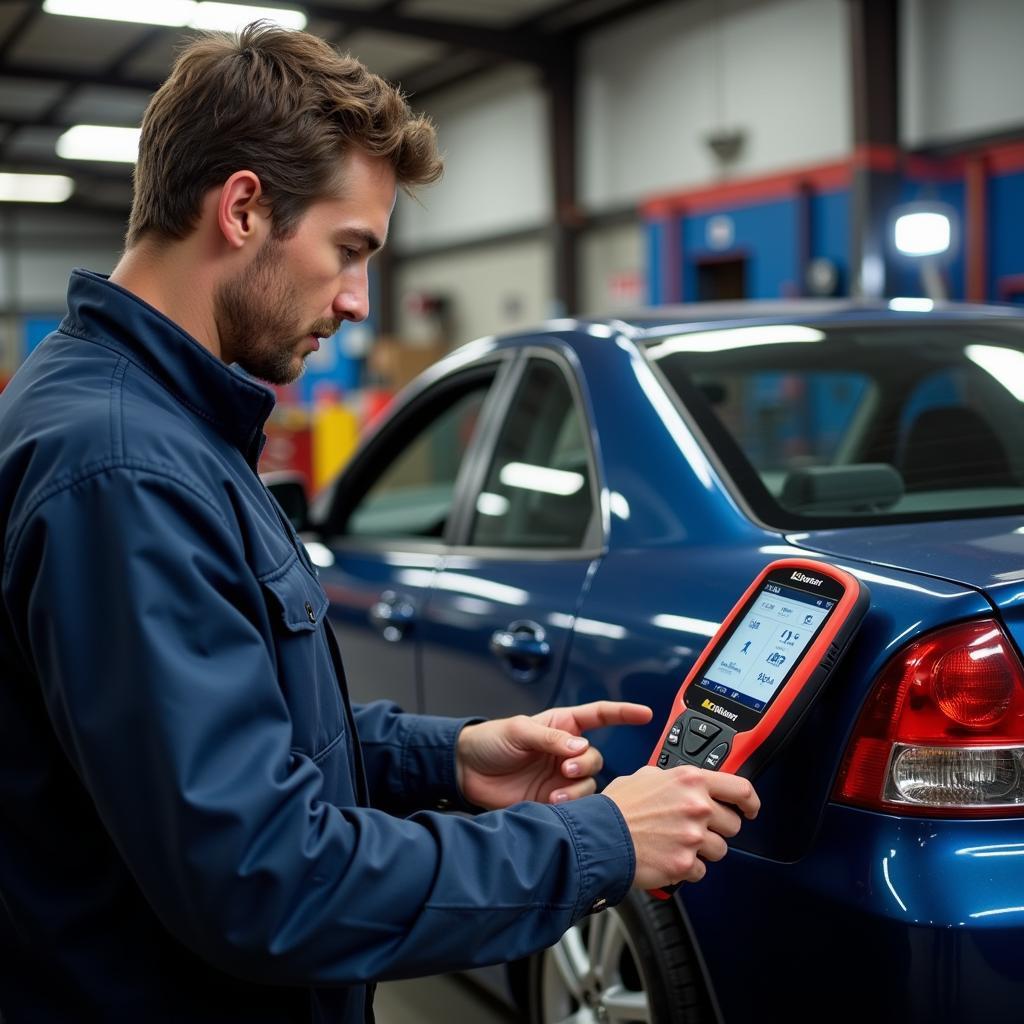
(679, 819)
(543, 758)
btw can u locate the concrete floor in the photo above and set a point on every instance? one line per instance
(439, 1000)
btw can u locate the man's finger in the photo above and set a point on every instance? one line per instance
(724, 821)
(587, 764)
(573, 792)
(731, 789)
(610, 712)
(533, 735)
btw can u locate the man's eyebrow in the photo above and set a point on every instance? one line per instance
(368, 238)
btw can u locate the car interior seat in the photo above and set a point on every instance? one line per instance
(952, 446)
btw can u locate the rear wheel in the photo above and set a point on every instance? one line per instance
(633, 962)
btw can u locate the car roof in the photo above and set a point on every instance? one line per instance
(688, 315)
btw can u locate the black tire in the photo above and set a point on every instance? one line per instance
(649, 962)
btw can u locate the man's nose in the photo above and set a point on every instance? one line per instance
(353, 301)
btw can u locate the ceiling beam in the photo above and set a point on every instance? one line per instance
(50, 116)
(80, 170)
(116, 214)
(19, 28)
(627, 8)
(48, 73)
(510, 43)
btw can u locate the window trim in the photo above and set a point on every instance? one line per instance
(594, 538)
(380, 452)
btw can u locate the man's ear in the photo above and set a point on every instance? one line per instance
(241, 217)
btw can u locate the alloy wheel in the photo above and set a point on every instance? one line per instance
(592, 975)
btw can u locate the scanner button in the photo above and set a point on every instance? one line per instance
(694, 743)
(663, 759)
(717, 755)
(673, 736)
(705, 728)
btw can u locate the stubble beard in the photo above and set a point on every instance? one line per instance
(256, 320)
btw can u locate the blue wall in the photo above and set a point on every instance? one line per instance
(830, 232)
(766, 235)
(35, 328)
(1005, 229)
(655, 261)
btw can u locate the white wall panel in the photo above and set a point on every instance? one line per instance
(610, 259)
(494, 136)
(492, 289)
(653, 87)
(39, 249)
(962, 68)
(41, 275)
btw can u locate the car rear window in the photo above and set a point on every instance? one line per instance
(821, 425)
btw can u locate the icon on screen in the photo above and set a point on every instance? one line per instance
(808, 619)
(746, 646)
(776, 658)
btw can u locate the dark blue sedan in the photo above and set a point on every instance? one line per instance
(568, 513)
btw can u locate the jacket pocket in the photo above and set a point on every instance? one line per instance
(297, 607)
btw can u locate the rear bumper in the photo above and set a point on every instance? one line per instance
(901, 919)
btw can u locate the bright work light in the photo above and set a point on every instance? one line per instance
(922, 233)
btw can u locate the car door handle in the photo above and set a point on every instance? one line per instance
(522, 644)
(393, 615)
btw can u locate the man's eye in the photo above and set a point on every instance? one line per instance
(348, 254)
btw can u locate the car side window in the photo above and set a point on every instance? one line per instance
(412, 495)
(538, 491)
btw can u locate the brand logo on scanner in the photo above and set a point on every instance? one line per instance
(801, 578)
(719, 710)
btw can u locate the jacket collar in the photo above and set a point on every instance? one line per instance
(103, 312)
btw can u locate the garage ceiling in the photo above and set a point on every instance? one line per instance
(58, 71)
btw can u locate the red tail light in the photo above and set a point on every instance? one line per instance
(942, 733)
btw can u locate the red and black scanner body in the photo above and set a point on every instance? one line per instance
(754, 681)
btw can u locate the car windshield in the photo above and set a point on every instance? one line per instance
(823, 425)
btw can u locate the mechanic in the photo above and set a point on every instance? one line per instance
(195, 824)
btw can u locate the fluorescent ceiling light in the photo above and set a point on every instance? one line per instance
(735, 337)
(909, 304)
(178, 13)
(922, 233)
(1005, 364)
(234, 17)
(540, 478)
(99, 142)
(153, 12)
(35, 188)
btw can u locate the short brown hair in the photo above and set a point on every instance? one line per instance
(282, 104)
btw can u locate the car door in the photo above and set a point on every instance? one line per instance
(383, 537)
(500, 616)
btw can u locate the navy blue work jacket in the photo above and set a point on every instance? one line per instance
(187, 829)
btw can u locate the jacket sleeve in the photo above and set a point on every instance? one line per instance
(138, 612)
(410, 759)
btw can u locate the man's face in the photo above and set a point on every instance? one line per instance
(271, 315)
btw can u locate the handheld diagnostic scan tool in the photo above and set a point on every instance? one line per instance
(762, 670)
